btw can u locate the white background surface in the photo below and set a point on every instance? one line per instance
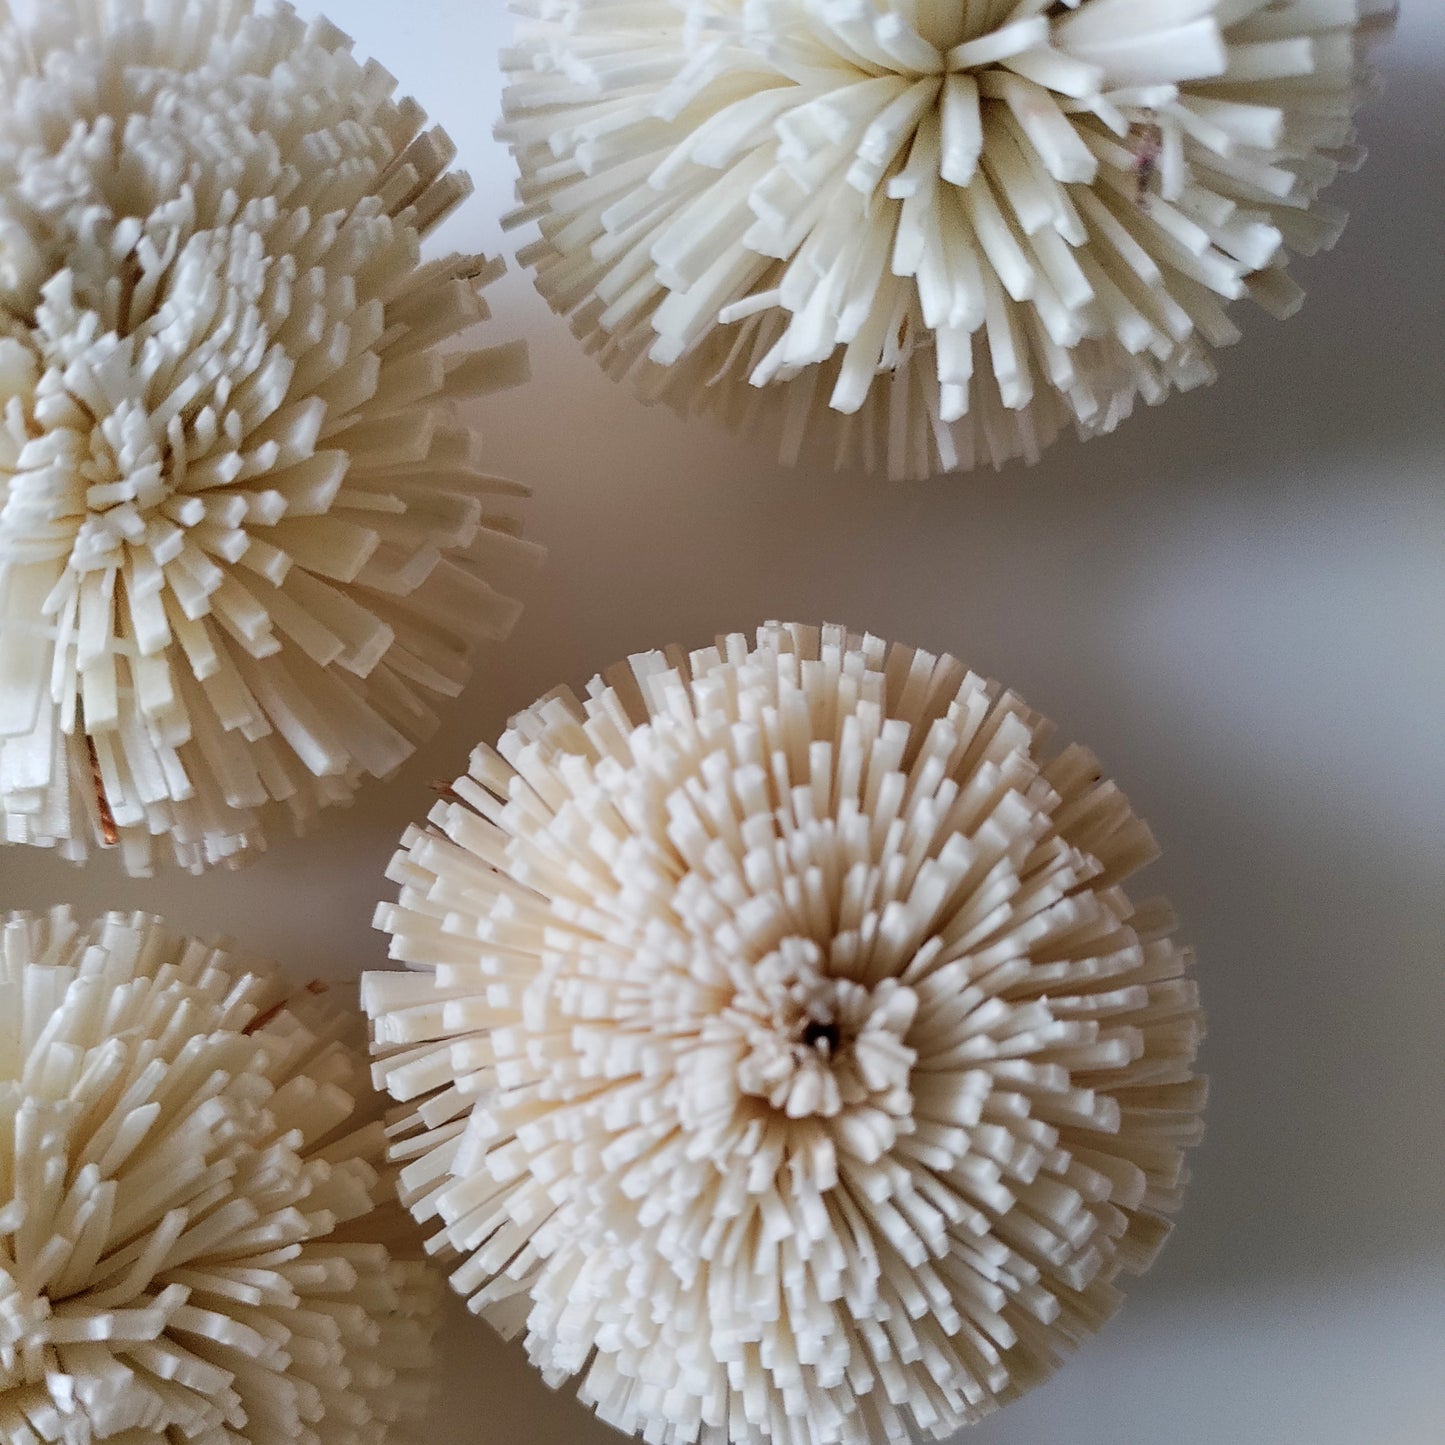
(1238, 601)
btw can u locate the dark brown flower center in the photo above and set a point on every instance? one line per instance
(825, 1037)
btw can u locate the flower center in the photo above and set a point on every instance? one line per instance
(102, 478)
(812, 1045)
(940, 39)
(825, 1037)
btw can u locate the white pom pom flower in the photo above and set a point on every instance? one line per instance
(786, 1056)
(242, 545)
(196, 1221)
(933, 232)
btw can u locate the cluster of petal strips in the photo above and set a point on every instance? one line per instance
(784, 1053)
(934, 233)
(196, 1223)
(243, 546)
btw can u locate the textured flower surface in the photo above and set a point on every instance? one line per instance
(195, 1213)
(242, 543)
(947, 228)
(786, 1055)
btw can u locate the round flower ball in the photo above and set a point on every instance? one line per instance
(932, 233)
(244, 547)
(196, 1220)
(785, 1056)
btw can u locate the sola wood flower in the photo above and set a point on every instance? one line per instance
(785, 1053)
(194, 1213)
(961, 225)
(242, 546)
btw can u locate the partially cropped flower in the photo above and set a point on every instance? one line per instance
(786, 1056)
(934, 233)
(196, 1220)
(243, 547)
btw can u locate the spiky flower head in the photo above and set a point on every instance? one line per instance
(197, 1224)
(243, 546)
(786, 1055)
(934, 233)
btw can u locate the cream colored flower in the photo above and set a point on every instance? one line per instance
(934, 233)
(786, 1057)
(243, 548)
(195, 1217)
